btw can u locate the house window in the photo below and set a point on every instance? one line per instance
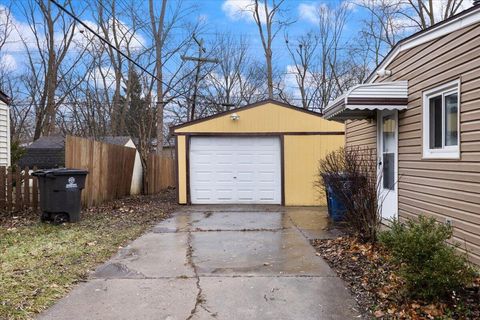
(441, 108)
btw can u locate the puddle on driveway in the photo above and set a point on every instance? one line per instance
(255, 253)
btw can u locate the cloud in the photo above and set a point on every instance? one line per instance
(311, 12)
(308, 12)
(8, 62)
(83, 37)
(242, 10)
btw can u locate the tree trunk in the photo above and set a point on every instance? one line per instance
(268, 56)
(159, 41)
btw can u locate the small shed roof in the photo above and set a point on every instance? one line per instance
(48, 142)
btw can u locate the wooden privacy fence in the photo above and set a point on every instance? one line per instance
(161, 173)
(18, 190)
(110, 168)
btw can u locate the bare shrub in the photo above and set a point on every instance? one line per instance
(351, 173)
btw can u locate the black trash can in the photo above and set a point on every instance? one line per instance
(60, 194)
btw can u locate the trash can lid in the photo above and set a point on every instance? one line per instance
(60, 172)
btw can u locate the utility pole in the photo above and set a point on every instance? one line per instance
(200, 60)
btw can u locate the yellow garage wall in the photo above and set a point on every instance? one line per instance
(301, 157)
(265, 118)
(182, 169)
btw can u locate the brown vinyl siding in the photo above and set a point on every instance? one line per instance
(440, 188)
(361, 133)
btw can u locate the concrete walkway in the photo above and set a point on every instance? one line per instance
(217, 262)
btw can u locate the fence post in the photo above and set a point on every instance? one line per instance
(34, 192)
(26, 188)
(3, 188)
(18, 189)
(9, 189)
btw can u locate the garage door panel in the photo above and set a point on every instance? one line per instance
(267, 195)
(203, 176)
(235, 170)
(222, 177)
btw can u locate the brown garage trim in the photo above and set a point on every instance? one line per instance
(282, 165)
(248, 106)
(187, 164)
(259, 134)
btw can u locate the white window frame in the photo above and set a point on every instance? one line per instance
(447, 152)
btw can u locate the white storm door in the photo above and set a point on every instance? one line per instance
(388, 163)
(235, 170)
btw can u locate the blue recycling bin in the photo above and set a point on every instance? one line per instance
(336, 207)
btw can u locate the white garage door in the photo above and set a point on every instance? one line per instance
(235, 170)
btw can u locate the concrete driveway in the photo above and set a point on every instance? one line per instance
(217, 262)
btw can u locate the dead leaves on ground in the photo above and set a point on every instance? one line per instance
(372, 280)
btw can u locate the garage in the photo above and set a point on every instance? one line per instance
(263, 153)
(235, 170)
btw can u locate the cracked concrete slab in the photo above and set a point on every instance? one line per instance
(217, 262)
(152, 255)
(278, 298)
(256, 253)
(126, 299)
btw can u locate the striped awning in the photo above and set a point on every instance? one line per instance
(361, 101)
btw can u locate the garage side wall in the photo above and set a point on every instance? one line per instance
(182, 169)
(302, 156)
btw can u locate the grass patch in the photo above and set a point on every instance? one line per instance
(39, 263)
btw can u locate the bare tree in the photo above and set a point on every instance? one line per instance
(389, 21)
(161, 27)
(330, 78)
(269, 21)
(223, 90)
(6, 28)
(159, 37)
(53, 33)
(302, 53)
(6, 25)
(427, 12)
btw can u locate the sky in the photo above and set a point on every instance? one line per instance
(216, 16)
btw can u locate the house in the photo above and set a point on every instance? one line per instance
(263, 153)
(5, 157)
(420, 110)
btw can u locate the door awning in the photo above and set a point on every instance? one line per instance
(361, 101)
